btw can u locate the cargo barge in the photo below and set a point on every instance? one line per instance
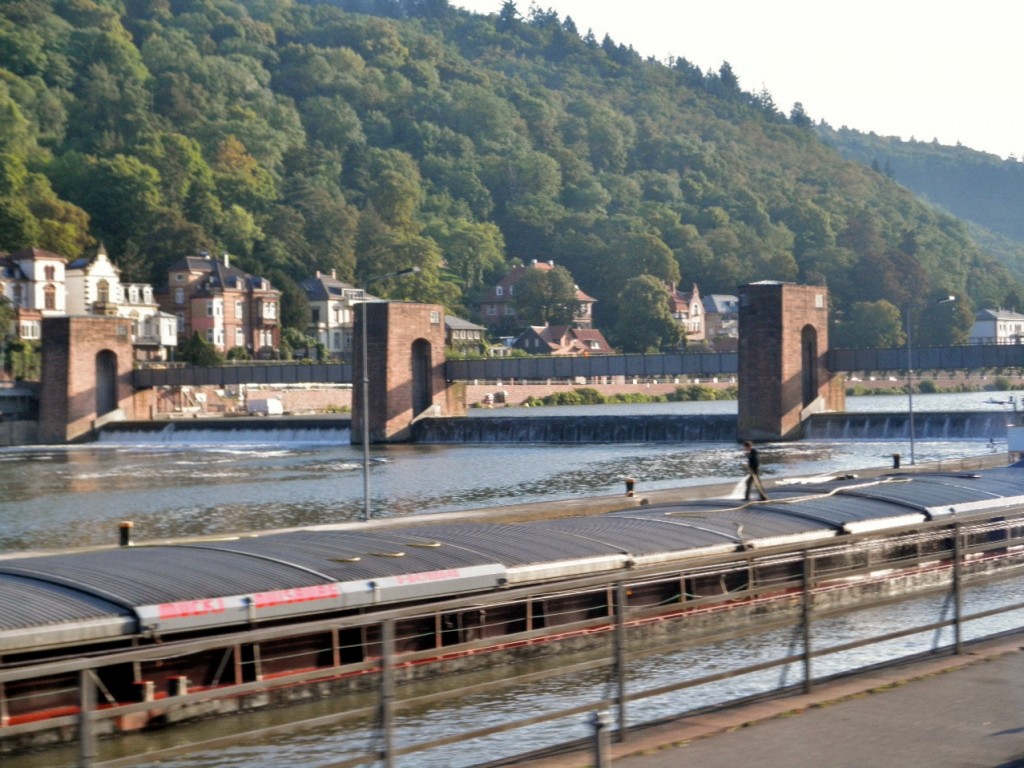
(252, 620)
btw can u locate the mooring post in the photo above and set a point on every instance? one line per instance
(602, 744)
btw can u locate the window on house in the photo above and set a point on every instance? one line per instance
(499, 291)
(239, 337)
(50, 297)
(50, 272)
(316, 315)
(492, 310)
(337, 340)
(103, 292)
(179, 295)
(435, 317)
(239, 308)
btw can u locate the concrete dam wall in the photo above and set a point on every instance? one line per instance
(701, 428)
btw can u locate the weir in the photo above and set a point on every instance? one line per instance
(228, 431)
(701, 428)
(893, 426)
(578, 430)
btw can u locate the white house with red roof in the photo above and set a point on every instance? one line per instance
(688, 309)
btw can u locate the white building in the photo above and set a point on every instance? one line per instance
(332, 307)
(32, 280)
(94, 287)
(997, 326)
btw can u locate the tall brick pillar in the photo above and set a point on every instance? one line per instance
(783, 343)
(405, 348)
(86, 373)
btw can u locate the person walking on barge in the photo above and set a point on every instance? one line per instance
(753, 472)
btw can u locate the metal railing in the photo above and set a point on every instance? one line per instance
(802, 585)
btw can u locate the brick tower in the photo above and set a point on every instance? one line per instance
(86, 373)
(783, 342)
(405, 347)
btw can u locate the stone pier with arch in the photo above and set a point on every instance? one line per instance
(87, 377)
(783, 374)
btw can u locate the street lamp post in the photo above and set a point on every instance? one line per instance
(910, 383)
(366, 388)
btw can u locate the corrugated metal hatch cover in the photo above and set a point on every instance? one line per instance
(30, 603)
(642, 536)
(136, 576)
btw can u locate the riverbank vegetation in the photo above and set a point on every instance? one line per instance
(590, 396)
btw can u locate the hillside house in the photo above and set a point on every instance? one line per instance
(498, 306)
(721, 320)
(94, 287)
(32, 280)
(688, 309)
(997, 326)
(461, 335)
(332, 308)
(223, 304)
(563, 340)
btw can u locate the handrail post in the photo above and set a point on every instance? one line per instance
(620, 657)
(86, 705)
(602, 747)
(958, 596)
(808, 595)
(387, 693)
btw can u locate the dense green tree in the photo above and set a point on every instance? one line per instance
(295, 312)
(645, 323)
(198, 351)
(869, 324)
(546, 296)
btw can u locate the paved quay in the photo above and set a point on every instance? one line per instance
(944, 712)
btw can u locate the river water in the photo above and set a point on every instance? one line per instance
(57, 497)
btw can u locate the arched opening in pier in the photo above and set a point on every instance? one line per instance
(106, 382)
(809, 363)
(422, 372)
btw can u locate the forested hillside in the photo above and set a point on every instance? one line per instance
(300, 136)
(979, 187)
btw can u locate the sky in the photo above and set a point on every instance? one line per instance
(928, 70)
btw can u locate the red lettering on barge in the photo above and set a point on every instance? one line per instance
(417, 578)
(188, 608)
(297, 595)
